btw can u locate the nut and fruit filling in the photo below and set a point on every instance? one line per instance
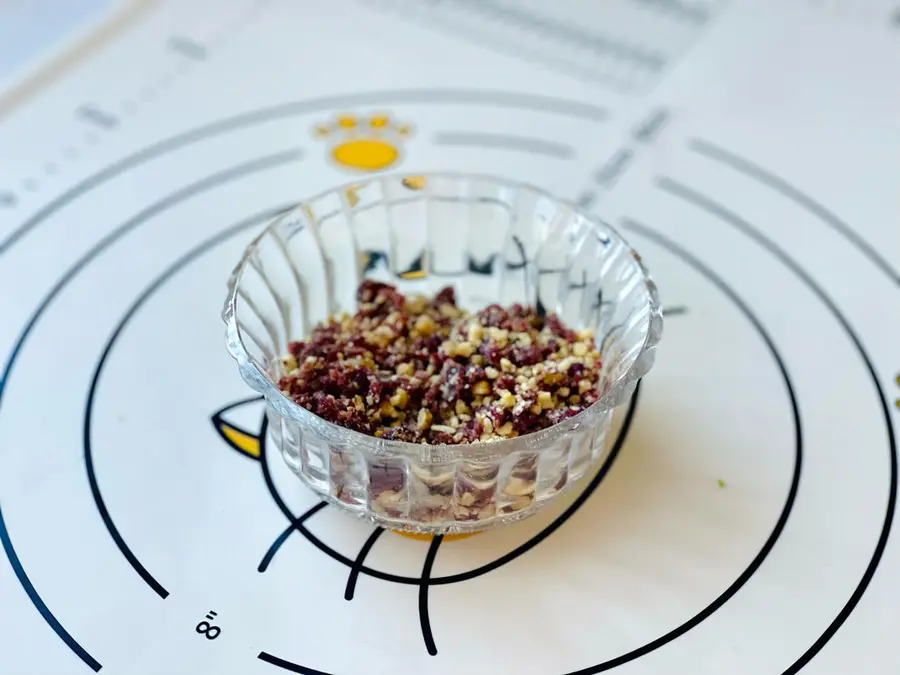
(422, 370)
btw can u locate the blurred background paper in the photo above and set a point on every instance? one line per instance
(32, 30)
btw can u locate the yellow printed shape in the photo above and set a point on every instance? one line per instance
(364, 144)
(243, 441)
(428, 537)
(414, 182)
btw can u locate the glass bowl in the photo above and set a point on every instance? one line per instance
(495, 241)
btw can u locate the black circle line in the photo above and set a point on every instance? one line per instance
(206, 183)
(273, 549)
(770, 542)
(424, 96)
(296, 523)
(726, 595)
(892, 499)
(769, 179)
(462, 576)
(39, 604)
(192, 190)
(545, 533)
(281, 538)
(287, 665)
(704, 203)
(358, 563)
(424, 582)
(23, 579)
(570, 510)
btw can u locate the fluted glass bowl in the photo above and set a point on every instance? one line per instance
(495, 241)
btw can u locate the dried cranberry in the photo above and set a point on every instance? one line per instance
(385, 477)
(576, 370)
(526, 356)
(493, 316)
(555, 326)
(491, 353)
(507, 382)
(445, 296)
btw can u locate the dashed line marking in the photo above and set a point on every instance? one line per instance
(187, 48)
(97, 117)
(607, 175)
(648, 129)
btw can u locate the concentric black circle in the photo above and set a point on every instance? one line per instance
(444, 97)
(297, 523)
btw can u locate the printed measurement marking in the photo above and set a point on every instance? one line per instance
(615, 166)
(677, 9)
(187, 47)
(586, 199)
(94, 115)
(647, 130)
(207, 628)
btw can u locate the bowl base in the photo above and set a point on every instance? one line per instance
(428, 537)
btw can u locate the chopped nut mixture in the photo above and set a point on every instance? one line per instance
(422, 370)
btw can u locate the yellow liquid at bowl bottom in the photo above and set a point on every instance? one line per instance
(429, 537)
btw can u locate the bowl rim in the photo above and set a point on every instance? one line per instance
(617, 393)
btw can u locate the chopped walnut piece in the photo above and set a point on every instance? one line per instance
(425, 324)
(475, 334)
(481, 388)
(400, 399)
(545, 399)
(505, 429)
(507, 400)
(465, 349)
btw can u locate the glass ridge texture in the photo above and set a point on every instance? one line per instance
(494, 241)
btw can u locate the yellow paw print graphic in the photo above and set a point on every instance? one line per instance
(364, 144)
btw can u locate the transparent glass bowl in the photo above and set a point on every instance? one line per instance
(494, 241)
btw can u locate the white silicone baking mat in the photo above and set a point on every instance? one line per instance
(743, 522)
